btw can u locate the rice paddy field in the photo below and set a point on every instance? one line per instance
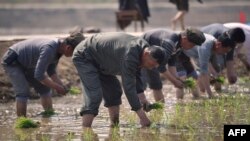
(179, 120)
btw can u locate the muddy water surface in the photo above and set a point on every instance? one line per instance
(66, 123)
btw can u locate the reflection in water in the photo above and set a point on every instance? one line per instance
(180, 120)
(24, 134)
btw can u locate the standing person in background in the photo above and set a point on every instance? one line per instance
(182, 7)
(33, 62)
(99, 58)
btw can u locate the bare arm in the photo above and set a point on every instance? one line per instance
(59, 88)
(204, 81)
(212, 70)
(231, 73)
(144, 121)
(171, 76)
(56, 79)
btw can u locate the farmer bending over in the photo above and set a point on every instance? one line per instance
(27, 62)
(98, 60)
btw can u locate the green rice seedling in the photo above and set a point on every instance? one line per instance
(209, 116)
(21, 134)
(48, 113)
(220, 79)
(156, 105)
(190, 83)
(23, 122)
(89, 135)
(157, 116)
(130, 119)
(74, 91)
(244, 79)
(70, 136)
(114, 134)
(45, 138)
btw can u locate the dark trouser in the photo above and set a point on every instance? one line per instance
(21, 78)
(152, 78)
(96, 86)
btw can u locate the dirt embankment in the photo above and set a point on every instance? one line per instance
(66, 72)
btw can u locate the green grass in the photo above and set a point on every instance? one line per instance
(23, 122)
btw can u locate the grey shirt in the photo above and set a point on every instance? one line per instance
(202, 54)
(216, 30)
(38, 54)
(167, 39)
(117, 54)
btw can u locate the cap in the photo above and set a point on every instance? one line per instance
(158, 53)
(74, 39)
(195, 36)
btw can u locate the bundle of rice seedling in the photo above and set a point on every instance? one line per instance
(190, 83)
(48, 112)
(23, 122)
(220, 79)
(156, 106)
(74, 91)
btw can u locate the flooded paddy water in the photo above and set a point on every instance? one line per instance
(180, 120)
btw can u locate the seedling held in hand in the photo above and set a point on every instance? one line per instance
(156, 106)
(74, 91)
(190, 83)
(219, 79)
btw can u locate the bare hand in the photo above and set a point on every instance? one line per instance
(61, 90)
(232, 79)
(144, 121)
(179, 84)
(146, 107)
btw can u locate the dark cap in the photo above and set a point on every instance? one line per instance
(195, 36)
(158, 53)
(74, 39)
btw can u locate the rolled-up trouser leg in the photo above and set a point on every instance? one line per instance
(20, 86)
(91, 84)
